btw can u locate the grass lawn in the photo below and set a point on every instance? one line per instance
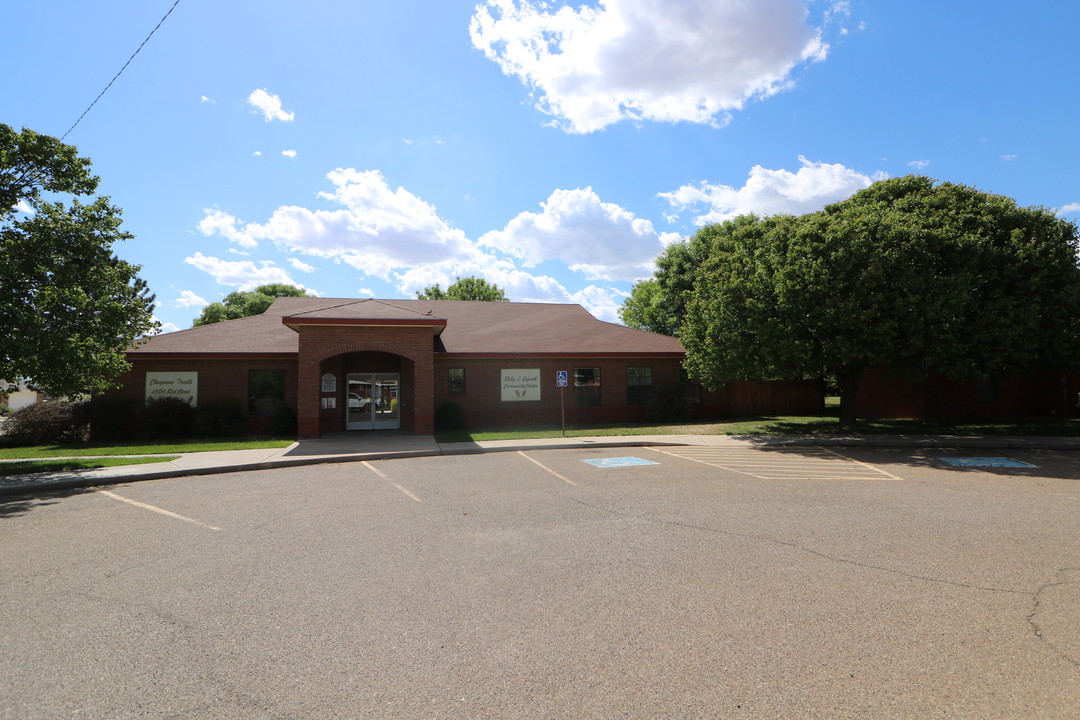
(158, 448)
(25, 467)
(827, 424)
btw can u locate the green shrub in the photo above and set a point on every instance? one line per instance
(167, 419)
(449, 417)
(219, 419)
(4, 410)
(110, 419)
(283, 422)
(45, 423)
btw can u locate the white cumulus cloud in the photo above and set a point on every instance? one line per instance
(270, 106)
(164, 327)
(519, 285)
(375, 228)
(189, 299)
(771, 192)
(387, 232)
(603, 303)
(1070, 209)
(243, 274)
(676, 60)
(601, 240)
(289, 153)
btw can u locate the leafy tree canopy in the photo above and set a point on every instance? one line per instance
(243, 304)
(68, 306)
(659, 303)
(470, 288)
(907, 273)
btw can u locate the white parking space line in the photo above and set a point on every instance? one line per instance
(860, 462)
(384, 476)
(407, 493)
(152, 508)
(565, 479)
(804, 464)
(374, 469)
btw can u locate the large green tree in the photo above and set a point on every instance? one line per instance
(245, 303)
(69, 307)
(658, 304)
(470, 288)
(908, 274)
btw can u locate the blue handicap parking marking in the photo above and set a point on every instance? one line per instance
(987, 462)
(619, 462)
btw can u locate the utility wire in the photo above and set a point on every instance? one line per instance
(121, 69)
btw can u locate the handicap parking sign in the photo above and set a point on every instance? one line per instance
(561, 378)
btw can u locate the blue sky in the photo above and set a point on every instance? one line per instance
(363, 149)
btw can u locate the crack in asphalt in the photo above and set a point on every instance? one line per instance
(1035, 596)
(1037, 603)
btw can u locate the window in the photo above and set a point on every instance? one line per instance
(638, 385)
(456, 380)
(587, 387)
(266, 391)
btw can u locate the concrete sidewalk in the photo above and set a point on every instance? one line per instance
(359, 446)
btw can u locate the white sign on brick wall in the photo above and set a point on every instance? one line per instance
(181, 385)
(520, 385)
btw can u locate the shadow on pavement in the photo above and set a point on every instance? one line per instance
(364, 442)
(18, 505)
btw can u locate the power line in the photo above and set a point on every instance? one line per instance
(121, 69)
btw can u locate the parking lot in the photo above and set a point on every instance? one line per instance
(617, 583)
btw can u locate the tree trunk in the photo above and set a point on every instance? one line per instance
(849, 390)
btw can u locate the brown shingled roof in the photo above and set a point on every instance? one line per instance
(471, 328)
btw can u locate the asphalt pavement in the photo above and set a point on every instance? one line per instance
(359, 446)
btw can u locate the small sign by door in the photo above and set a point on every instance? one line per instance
(329, 383)
(561, 378)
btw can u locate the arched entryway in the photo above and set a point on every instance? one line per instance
(373, 391)
(334, 346)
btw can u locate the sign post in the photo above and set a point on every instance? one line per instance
(561, 381)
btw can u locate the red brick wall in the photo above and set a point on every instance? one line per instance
(888, 395)
(424, 384)
(319, 343)
(218, 380)
(482, 402)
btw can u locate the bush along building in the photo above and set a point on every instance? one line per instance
(348, 364)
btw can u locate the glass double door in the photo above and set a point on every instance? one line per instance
(373, 401)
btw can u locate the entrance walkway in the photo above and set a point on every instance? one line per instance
(364, 442)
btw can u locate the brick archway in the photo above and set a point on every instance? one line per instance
(322, 342)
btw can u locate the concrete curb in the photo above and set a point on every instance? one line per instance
(28, 485)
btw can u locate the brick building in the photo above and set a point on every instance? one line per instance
(375, 364)
(348, 364)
